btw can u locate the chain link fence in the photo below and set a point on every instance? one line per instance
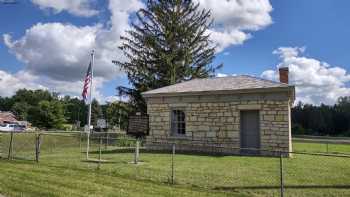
(20, 146)
(302, 174)
(321, 144)
(307, 174)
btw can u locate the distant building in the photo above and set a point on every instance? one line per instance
(235, 113)
(7, 117)
(25, 124)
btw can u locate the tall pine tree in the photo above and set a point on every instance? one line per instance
(167, 44)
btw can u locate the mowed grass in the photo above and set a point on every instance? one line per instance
(322, 148)
(63, 171)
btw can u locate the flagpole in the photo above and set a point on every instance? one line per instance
(89, 116)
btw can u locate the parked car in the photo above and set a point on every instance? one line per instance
(10, 127)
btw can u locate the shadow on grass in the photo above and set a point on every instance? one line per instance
(102, 161)
(18, 160)
(122, 150)
(285, 187)
(169, 152)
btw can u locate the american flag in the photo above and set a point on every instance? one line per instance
(87, 81)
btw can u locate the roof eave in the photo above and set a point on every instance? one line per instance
(220, 92)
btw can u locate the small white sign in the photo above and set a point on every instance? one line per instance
(86, 129)
(101, 123)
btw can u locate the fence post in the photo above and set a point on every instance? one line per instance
(87, 145)
(281, 174)
(137, 151)
(37, 147)
(80, 136)
(106, 143)
(172, 165)
(10, 147)
(99, 153)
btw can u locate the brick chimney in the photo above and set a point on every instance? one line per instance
(284, 71)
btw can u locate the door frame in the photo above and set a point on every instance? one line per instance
(241, 132)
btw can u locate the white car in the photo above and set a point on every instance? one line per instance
(11, 127)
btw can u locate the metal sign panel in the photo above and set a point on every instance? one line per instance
(101, 123)
(138, 124)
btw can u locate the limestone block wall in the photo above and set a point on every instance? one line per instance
(217, 123)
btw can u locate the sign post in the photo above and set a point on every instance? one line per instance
(137, 152)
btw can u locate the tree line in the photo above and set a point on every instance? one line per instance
(333, 120)
(47, 110)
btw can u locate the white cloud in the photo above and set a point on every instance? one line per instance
(234, 19)
(316, 81)
(75, 7)
(62, 51)
(10, 83)
(224, 75)
(221, 75)
(111, 99)
(26, 80)
(59, 51)
(58, 54)
(289, 52)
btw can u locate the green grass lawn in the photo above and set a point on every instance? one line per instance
(321, 147)
(62, 171)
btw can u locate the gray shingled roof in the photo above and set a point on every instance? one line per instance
(239, 82)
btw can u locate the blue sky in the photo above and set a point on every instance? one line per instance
(321, 26)
(310, 37)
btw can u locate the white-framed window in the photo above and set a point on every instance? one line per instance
(178, 122)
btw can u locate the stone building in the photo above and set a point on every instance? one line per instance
(226, 114)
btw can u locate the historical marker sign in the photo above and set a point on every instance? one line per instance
(138, 124)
